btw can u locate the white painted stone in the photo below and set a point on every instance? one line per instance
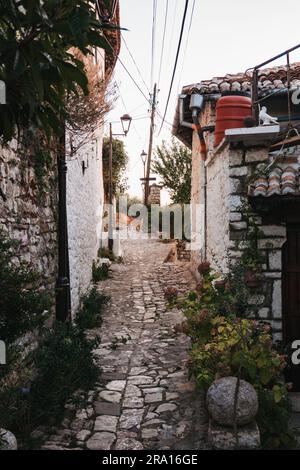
(270, 243)
(235, 216)
(238, 171)
(235, 202)
(273, 230)
(264, 312)
(235, 158)
(275, 260)
(277, 300)
(238, 225)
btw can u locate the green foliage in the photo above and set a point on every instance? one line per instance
(119, 164)
(101, 272)
(63, 364)
(36, 63)
(105, 253)
(236, 346)
(273, 419)
(173, 163)
(89, 315)
(225, 344)
(22, 303)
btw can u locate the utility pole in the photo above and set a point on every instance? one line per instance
(153, 108)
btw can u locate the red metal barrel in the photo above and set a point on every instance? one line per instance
(230, 113)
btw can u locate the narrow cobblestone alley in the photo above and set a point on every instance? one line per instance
(144, 399)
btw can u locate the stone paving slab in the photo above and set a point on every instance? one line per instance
(144, 399)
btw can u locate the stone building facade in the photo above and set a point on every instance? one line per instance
(244, 175)
(29, 196)
(28, 210)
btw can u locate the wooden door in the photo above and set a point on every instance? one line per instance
(291, 295)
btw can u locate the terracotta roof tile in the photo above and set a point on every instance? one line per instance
(279, 182)
(275, 77)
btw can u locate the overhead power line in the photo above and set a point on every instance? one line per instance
(176, 61)
(153, 41)
(127, 71)
(135, 63)
(186, 44)
(163, 42)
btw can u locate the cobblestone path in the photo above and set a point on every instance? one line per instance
(144, 399)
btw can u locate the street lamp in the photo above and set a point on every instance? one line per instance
(143, 158)
(126, 121)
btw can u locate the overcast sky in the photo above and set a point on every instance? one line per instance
(226, 36)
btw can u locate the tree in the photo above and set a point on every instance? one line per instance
(36, 64)
(173, 162)
(119, 164)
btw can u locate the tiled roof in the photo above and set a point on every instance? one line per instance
(274, 78)
(279, 182)
(269, 79)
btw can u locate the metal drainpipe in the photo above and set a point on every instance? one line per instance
(63, 297)
(196, 126)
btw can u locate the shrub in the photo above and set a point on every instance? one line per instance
(242, 347)
(100, 273)
(63, 363)
(105, 253)
(22, 304)
(226, 344)
(89, 316)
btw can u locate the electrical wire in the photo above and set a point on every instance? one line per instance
(176, 61)
(186, 45)
(135, 63)
(153, 41)
(126, 111)
(127, 71)
(163, 43)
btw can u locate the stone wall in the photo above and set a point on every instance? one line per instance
(266, 300)
(218, 208)
(228, 171)
(154, 194)
(28, 210)
(84, 207)
(85, 197)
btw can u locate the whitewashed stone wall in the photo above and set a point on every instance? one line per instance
(85, 207)
(28, 212)
(228, 172)
(219, 202)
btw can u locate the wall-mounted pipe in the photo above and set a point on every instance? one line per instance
(196, 104)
